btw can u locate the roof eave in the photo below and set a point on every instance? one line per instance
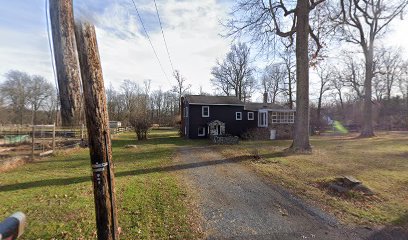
(216, 104)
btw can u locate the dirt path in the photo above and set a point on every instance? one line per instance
(236, 203)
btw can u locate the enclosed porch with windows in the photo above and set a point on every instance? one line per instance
(278, 123)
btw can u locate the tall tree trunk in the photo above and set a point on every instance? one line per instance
(367, 130)
(66, 60)
(301, 134)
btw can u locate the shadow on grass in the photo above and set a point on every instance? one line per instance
(75, 180)
(398, 230)
(81, 159)
(275, 155)
(176, 141)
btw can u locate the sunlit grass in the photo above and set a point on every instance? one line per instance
(380, 162)
(56, 193)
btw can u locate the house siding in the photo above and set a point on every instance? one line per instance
(226, 113)
(187, 120)
(223, 113)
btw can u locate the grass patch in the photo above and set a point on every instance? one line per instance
(381, 163)
(56, 193)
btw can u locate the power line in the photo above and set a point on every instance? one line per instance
(150, 41)
(47, 15)
(164, 39)
(50, 45)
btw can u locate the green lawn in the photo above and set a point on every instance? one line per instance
(56, 192)
(380, 162)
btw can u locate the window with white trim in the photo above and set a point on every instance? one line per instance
(283, 117)
(250, 115)
(263, 119)
(205, 111)
(201, 131)
(238, 116)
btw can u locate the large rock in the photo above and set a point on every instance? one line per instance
(348, 181)
(364, 189)
(337, 188)
(345, 184)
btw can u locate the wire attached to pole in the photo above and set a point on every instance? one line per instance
(110, 183)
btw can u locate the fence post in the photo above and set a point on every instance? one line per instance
(53, 139)
(82, 132)
(32, 143)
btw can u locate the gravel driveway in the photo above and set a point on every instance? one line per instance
(238, 204)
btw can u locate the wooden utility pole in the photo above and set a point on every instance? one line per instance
(66, 60)
(97, 123)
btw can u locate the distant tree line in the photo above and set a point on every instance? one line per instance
(137, 106)
(26, 99)
(341, 91)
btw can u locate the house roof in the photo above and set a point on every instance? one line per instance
(258, 106)
(213, 100)
(230, 100)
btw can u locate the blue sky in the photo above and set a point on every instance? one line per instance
(191, 27)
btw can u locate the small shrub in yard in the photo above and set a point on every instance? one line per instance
(140, 124)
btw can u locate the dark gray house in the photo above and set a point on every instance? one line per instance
(203, 116)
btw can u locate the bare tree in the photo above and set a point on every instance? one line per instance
(40, 90)
(130, 91)
(139, 116)
(403, 81)
(272, 79)
(221, 78)
(379, 88)
(181, 87)
(23, 91)
(263, 22)
(157, 102)
(140, 124)
(234, 73)
(15, 90)
(325, 73)
(390, 65)
(337, 83)
(288, 59)
(362, 23)
(111, 96)
(353, 74)
(50, 107)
